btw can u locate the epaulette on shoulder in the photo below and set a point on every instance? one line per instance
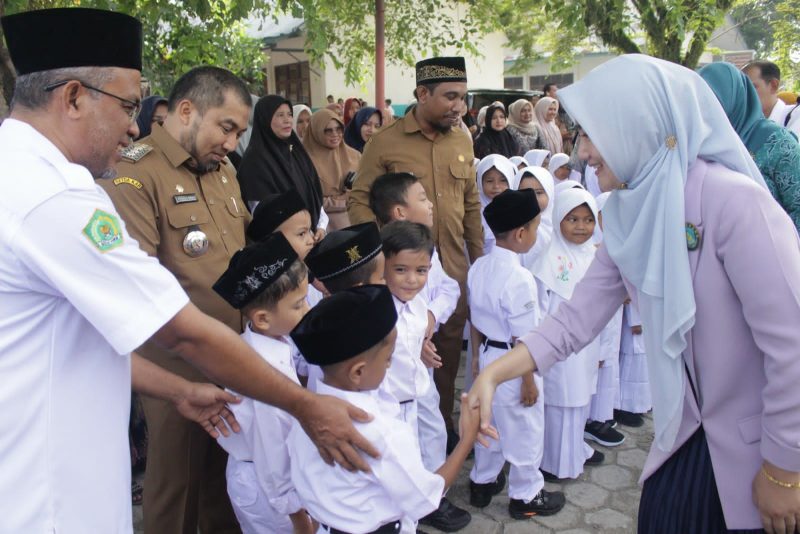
(136, 151)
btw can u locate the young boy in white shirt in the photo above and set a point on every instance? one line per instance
(268, 283)
(503, 307)
(401, 197)
(398, 490)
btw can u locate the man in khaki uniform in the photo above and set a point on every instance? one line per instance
(179, 198)
(426, 144)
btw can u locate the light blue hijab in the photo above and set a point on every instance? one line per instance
(656, 120)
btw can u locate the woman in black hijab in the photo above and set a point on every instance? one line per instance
(154, 109)
(275, 160)
(495, 138)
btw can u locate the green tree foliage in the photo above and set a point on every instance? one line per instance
(178, 35)
(343, 31)
(675, 30)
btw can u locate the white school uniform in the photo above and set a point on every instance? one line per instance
(407, 378)
(312, 372)
(569, 384)
(258, 473)
(441, 293)
(77, 295)
(507, 169)
(502, 302)
(634, 381)
(602, 403)
(398, 487)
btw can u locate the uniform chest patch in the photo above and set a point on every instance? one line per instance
(127, 180)
(183, 199)
(103, 230)
(136, 151)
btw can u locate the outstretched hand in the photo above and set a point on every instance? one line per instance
(328, 421)
(480, 396)
(207, 405)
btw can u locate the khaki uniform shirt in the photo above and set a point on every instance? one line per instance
(445, 168)
(160, 200)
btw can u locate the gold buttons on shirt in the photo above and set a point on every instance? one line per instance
(193, 218)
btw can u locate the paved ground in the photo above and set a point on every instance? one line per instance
(604, 500)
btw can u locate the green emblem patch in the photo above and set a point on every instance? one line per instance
(103, 231)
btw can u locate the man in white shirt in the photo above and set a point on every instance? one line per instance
(77, 295)
(766, 77)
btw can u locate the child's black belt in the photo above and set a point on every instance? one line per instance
(497, 344)
(388, 528)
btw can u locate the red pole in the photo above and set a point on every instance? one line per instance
(380, 55)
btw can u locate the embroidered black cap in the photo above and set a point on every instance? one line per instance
(272, 211)
(441, 69)
(252, 269)
(48, 39)
(344, 250)
(326, 335)
(511, 209)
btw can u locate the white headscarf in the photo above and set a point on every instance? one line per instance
(601, 200)
(499, 162)
(516, 160)
(536, 156)
(544, 235)
(481, 116)
(549, 133)
(565, 263)
(649, 130)
(297, 109)
(557, 161)
(564, 185)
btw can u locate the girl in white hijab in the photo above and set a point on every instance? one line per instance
(536, 157)
(518, 161)
(569, 384)
(546, 111)
(495, 175)
(559, 166)
(301, 116)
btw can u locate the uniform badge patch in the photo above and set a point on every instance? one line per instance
(353, 254)
(103, 230)
(127, 180)
(136, 151)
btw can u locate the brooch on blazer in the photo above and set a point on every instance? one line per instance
(693, 236)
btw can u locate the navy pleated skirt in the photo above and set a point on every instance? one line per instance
(681, 497)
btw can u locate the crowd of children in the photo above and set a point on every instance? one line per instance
(353, 316)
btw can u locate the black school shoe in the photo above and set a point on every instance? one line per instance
(545, 503)
(448, 517)
(480, 495)
(630, 419)
(550, 477)
(595, 459)
(603, 434)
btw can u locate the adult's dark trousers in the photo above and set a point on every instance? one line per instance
(449, 340)
(184, 484)
(681, 497)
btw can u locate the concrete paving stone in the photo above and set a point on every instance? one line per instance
(525, 527)
(633, 458)
(586, 496)
(612, 477)
(626, 501)
(575, 531)
(570, 516)
(608, 519)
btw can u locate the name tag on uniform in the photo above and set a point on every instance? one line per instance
(185, 199)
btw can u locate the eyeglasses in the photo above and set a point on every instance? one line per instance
(330, 131)
(132, 108)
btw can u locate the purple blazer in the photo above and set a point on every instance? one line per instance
(744, 350)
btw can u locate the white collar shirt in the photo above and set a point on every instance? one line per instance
(407, 378)
(441, 292)
(77, 295)
(398, 488)
(502, 296)
(264, 429)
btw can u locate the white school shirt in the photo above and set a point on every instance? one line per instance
(778, 115)
(632, 344)
(502, 296)
(77, 295)
(398, 488)
(264, 429)
(407, 378)
(441, 292)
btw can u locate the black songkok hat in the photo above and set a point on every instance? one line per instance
(272, 211)
(511, 209)
(326, 335)
(49, 39)
(441, 69)
(252, 269)
(344, 250)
